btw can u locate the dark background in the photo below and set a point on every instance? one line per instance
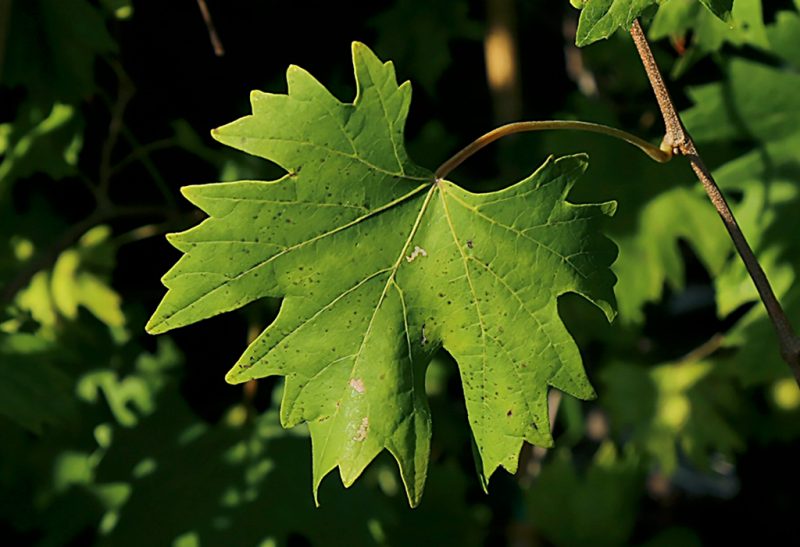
(164, 56)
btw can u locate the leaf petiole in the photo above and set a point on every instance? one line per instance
(661, 155)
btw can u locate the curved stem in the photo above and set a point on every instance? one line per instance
(656, 153)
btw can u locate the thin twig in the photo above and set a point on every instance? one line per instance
(134, 143)
(124, 94)
(447, 167)
(150, 167)
(176, 222)
(682, 143)
(219, 51)
(142, 151)
(704, 350)
(48, 257)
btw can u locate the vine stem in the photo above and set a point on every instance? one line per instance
(682, 144)
(124, 96)
(216, 43)
(656, 153)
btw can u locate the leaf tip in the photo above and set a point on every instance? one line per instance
(293, 72)
(192, 193)
(609, 309)
(483, 479)
(547, 441)
(234, 376)
(317, 480)
(216, 134)
(155, 325)
(362, 52)
(609, 208)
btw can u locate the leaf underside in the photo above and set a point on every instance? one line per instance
(379, 266)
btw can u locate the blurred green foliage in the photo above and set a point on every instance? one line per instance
(108, 436)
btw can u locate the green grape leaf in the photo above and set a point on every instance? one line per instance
(782, 36)
(757, 360)
(52, 47)
(39, 141)
(670, 406)
(33, 392)
(78, 279)
(133, 395)
(601, 18)
(233, 489)
(422, 43)
(707, 34)
(720, 8)
(380, 264)
(767, 180)
(765, 183)
(650, 257)
(592, 508)
(755, 101)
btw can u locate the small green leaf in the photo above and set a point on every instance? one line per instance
(380, 264)
(670, 407)
(52, 47)
(39, 142)
(756, 101)
(720, 8)
(601, 18)
(705, 33)
(423, 42)
(651, 257)
(33, 392)
(78, 279)
(592, 507)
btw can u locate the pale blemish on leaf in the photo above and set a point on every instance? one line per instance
(357, 384)
(418, 251)
(361, 434)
